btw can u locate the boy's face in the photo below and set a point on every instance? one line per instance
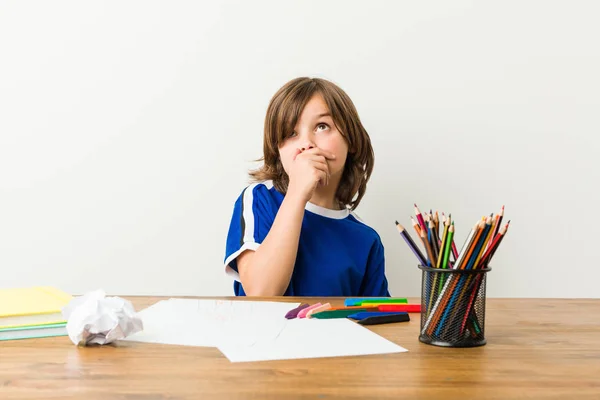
(315, 128)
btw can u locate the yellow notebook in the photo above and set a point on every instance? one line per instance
(32, 306)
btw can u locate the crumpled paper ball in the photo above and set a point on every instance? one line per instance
(96, 319)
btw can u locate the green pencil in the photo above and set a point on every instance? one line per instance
(448, 248)
(443, 245)
(447, 252)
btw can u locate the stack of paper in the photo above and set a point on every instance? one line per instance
(32, 312)
(256, 330)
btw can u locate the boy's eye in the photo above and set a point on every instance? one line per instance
(323, 126)
(293, 134)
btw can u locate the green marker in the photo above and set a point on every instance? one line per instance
(331, 314)
(390, 300)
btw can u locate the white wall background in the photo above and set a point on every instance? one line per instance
(127, 128)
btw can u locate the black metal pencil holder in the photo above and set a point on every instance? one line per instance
(453, 307)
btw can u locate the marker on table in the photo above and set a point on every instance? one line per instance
(294, 312)
(339, 313)
(385, 319)
(368, 314)
(383, 301)
(315, 310)
(368, 308)
(411, 308)
(361, 301)
(304, 311)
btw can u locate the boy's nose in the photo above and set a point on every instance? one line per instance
(307, 146)
(307, 142)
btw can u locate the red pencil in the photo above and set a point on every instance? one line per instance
(482, 264)
(493, 247)
(420, 218)
(497, 227)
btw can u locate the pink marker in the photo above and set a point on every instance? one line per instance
(324, 307)
(302, 313)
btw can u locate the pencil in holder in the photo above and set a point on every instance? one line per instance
(453, 306)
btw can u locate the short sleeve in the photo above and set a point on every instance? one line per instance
(253, 215)
(375, 283)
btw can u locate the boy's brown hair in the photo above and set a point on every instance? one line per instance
(283, 113)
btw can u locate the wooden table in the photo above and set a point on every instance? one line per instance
(546, 349)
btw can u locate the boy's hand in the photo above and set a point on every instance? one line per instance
(308, 170)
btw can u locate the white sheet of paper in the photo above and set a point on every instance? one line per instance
(169, 325)
(311, 338)
(204, 322)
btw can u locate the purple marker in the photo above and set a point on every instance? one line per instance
(294, 313)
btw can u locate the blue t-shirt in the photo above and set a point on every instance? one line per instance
(338, 255)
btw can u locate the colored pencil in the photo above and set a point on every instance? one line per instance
(471, 248)
(448, 293)
(493, 247)
(479, 278)
(411, 244)
(416, 226)
(420, 218)
(434, 245)
(466, 245)
(437, 286)
(482, 241)
(448, 250)
(428, 249)
(499, 217)
(442, 245)
(459, 293)
(451, 300)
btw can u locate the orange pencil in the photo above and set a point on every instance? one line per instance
(487, 238)
(416, 226)
(465, 260)
(428, 246)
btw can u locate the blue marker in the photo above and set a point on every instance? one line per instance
(368, 314)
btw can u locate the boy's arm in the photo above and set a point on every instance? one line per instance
(268, 270)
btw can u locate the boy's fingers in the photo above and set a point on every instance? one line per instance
(321, 167)
(318, 151)
(324, 178)
(298, 152)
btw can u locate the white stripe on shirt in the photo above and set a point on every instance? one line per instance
(248, 214)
